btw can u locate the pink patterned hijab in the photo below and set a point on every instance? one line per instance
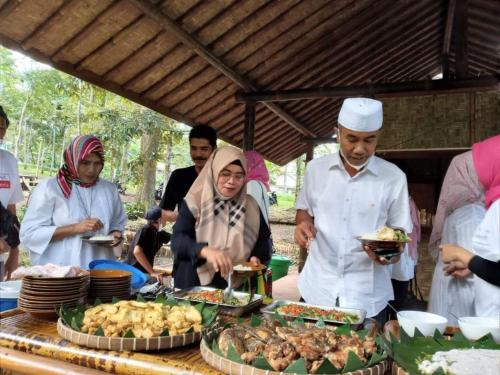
(460, 187)
(79, 148)
(486, 156)
(256, 168)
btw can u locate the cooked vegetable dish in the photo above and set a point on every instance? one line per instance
(215, 296)
(317, 313)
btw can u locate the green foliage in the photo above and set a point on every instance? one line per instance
(47, 108)
(135, 210)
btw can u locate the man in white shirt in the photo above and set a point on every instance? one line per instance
(345, 195)
(10, 194)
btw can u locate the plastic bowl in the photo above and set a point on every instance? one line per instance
(9, 292)
(426, 323)
(475, 327)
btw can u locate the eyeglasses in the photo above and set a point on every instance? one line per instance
(226, 176)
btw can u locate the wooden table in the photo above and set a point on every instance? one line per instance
(24, 339)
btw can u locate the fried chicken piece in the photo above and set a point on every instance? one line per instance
(369, 346)
(279, 356)
(231, 336)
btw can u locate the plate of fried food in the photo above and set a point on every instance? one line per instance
(135, 325)
(273, 346)
(385, 242)
(247, 267)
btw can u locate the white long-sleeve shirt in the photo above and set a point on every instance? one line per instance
(486, 244)
(10, 187)
(343, 208)
(451, 297)
(48, 209)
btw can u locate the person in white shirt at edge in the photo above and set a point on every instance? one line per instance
(73, 204)
(404, 270)
(459, 212)
(486, 238)
(345, 195)
(11, 193)
(258, 181)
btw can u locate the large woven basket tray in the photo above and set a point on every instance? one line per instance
(126, 344)
(397, 370)
(234, 368)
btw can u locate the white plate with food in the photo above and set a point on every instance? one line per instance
(101, 240)
(385, 242)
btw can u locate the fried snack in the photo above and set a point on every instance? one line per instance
(144, 319)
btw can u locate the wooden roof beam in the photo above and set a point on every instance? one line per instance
(428, 87)
(461, 34)
(153, 11)
(447, 38)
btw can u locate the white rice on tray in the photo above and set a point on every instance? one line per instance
(463, 361)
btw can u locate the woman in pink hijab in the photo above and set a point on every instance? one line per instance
(258, 181)
(460, 211)
(484, 259)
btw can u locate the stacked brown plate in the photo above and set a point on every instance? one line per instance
(106, 284)
(42, 296)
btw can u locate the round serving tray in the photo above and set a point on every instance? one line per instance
(234, 368)
(397, 370)
(123, 343)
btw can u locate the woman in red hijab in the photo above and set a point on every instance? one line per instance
(75, 203)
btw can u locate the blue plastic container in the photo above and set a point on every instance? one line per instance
(138, 278)
(9, 292)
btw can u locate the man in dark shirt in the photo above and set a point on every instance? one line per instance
(146, 243)
(202, 141)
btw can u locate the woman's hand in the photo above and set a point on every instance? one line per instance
(158, 276)
(254, 261)
(218, 259)
(453, 253)
(118, 238)
(88, 225)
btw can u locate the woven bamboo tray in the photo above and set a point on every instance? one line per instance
(397, 370)
(126, 344)
(234, 368)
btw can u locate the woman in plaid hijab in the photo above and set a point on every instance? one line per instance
(219, 224)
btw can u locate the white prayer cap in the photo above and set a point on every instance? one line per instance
(361, 114)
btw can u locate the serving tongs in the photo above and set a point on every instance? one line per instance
(228, 292)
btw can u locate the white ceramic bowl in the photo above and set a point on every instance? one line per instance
(475, 327)
(426, 323)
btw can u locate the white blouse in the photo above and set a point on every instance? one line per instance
(48, 209)
(486, 244)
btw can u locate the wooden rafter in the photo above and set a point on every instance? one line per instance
(448, 29)
(190, 41)
(460, 35)
(380, 90)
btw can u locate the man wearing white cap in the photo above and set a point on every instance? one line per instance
(347, 194)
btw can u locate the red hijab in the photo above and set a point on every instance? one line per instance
(81, 147)
(486, 156)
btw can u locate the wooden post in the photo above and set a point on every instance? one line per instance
(472, 117)
(303, 251)
(248, 137)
